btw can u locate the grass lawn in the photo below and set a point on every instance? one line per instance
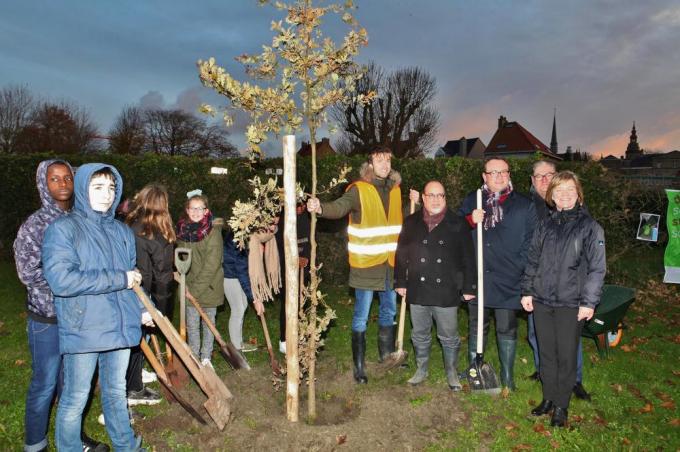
(635, 391)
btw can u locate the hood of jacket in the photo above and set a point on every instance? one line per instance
(366, 174)
(49, 205)
(28, 248)
(81, 191)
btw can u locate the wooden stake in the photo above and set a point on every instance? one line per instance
(292, 286)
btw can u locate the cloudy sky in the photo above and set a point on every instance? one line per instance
(602, 63)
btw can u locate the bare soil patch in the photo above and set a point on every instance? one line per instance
(377, 416)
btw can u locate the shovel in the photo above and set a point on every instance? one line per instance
(219, 397)
(171, 395)
(395, 359)
(177, 372)
(276, 369)
(481, 375)
(227, 349)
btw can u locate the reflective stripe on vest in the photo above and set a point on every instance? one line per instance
(374, 240)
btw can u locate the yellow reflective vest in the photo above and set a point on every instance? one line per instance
(374, 240)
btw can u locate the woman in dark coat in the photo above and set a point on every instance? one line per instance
(561, 285)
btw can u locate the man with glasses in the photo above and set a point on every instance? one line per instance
(542, 174)
(435, 264)
(508, 219)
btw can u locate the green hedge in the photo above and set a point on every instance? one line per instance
(611, 201)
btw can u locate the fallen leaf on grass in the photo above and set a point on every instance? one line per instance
(648, 408)
(599, 420)
(252, 340)
(505, 392)
(540, 428)
(616, 387)
(19, 362)
(594, 359)
(676, 373)
(676, 339)
(640, 340)
(675, 422)
(663, 396)
(524, 360)
(521, 447)
(627, 348)
(510, 426)
(669, 405)
(555, 444)
(341, 439)
(626, 441)
(576, 418)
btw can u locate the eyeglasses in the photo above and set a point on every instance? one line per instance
(197, 209)
(433, 196)
(547, 176)
(495, 173)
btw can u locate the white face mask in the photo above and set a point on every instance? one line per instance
(102, 192)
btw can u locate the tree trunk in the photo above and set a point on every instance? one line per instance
(292, 291)
(314, 284)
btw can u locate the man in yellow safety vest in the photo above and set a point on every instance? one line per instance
(375, 216)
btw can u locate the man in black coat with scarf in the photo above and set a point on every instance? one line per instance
(508, 219)
(435, 264)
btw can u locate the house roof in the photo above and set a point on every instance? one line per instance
(452, 148)
(323, 149)
(512, 137)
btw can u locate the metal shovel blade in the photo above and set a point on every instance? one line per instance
(482, 377)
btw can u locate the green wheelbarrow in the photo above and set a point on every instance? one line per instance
(606, 327)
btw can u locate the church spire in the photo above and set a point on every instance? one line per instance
(633, 149)
(553, 140)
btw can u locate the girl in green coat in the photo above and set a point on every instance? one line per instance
(204, 279)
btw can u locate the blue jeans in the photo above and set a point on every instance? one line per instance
(43, 340)
(531, 337)
(78, 371)
(386, 312)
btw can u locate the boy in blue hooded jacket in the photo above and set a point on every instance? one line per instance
(88, 261)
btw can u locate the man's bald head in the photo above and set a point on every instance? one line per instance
(434, 197)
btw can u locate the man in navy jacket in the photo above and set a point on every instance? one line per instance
(508, 219)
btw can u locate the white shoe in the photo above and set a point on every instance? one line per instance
(206, 363)
(148, 377)
(282, 347)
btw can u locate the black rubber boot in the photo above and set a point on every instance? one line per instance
(358, 356)
(506, 355)
(386, 336)
(422, 362)
(450, 361)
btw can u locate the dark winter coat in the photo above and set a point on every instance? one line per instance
(235, 264)
(566, 263)
(155, 259)
(438, 266)
(205, 279)
(28, 250)
(540, 205)
(86, 255)
(371, 278)
(505, 249)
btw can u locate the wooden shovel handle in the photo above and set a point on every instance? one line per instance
(266, 333)
(206, 319)
(402, 310)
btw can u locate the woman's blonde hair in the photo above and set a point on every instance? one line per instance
(559, 179)
(150, 207)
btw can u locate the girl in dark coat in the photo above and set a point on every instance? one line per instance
(561, 285)
(154, 238)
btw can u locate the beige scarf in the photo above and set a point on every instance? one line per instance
(263, 266)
